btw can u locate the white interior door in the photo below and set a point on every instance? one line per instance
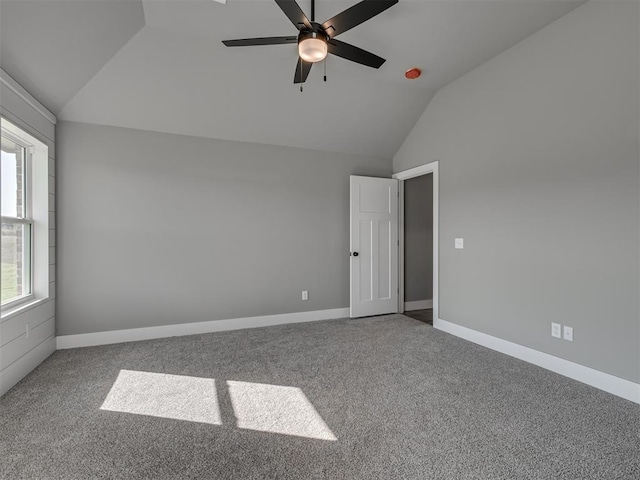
(374, 246)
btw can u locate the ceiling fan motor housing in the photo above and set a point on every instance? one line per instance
(319, 34)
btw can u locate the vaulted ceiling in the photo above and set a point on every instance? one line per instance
(160, 65)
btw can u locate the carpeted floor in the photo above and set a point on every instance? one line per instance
(376, 398)
(425, 316)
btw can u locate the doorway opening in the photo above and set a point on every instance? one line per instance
(418, 242)
(418, 248)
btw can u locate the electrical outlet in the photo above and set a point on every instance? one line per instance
(567, 333)
(459, 243)
(305, 295)
(556, 330)
(26, 333)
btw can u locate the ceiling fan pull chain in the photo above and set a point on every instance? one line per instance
(325, 69)
(301, 83)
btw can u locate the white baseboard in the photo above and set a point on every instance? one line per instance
(149, 333)
(25, 364)
(603, 381)
(418, 305)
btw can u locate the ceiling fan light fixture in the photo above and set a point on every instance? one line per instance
(314, 39)
(312, 48)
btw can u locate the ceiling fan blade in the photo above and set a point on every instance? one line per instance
(354, 16)
(302, 71)
(247, 42)
(293, 11)
(355, 54)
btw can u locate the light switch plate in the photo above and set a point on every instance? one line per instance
(556, 330)
(459, 243)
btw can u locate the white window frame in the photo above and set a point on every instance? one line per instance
(36, 215)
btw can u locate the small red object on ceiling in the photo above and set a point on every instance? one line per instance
(413, 73)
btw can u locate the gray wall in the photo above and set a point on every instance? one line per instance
(20, 354)
(539, 173)
(418, 238)
(160, 229)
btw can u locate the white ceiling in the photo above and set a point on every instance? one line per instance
(174, 75)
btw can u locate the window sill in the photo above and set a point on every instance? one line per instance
(23, 307)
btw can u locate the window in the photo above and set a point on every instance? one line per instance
(17, 225)
(24, 202)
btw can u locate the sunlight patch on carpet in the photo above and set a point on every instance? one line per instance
(163, 395)
(276, 409)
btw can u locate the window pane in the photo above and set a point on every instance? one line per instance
(13, 187)
(16, 245)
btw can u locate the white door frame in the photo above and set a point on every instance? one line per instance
(406, 175)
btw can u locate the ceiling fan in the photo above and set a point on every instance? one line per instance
(316, 40)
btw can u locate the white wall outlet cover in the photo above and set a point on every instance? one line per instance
(459, 243)
(556, 330)
(305, 295)
(568, 333)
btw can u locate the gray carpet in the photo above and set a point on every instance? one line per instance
(377, 398)
(425, 315)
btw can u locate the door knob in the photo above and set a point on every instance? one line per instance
(355, 254)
